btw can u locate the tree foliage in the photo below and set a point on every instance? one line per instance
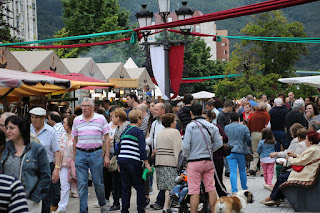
(261, 63)
(82, 17)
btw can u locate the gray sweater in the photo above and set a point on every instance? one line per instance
(193, 144)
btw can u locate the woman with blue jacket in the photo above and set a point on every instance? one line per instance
(27, 161)
(239, 138)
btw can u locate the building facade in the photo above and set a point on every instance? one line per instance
(22, 15)
(223, 48)
(204, 28)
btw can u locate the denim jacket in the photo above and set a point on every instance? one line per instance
(264, 149)
(238, 137)
(35, 169)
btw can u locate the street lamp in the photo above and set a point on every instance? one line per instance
(144, 17)
(184, 12)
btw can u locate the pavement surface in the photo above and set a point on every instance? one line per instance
(255, 185)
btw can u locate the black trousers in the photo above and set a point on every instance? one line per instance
(219, 164)
(107, 179)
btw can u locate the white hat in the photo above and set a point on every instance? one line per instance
(38, 111)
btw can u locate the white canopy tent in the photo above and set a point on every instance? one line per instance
(309, 80)
(202, 95)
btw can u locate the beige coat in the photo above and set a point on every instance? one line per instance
(308, 172)
(169, 145)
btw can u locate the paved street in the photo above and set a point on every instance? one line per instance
(255, 185)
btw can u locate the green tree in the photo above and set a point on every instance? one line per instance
(83, 17)
(197, 64)
(261, 63)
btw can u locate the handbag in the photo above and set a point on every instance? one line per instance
(300, 168)
(249, 157)
(226, 149)
(113, 166)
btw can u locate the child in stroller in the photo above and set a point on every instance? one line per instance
(180, 191)
(179, 194)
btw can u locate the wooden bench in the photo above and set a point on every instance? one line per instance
(303, 195)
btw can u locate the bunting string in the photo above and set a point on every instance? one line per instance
(68, 38)
(231, 13)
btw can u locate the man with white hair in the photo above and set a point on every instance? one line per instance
(258, 121)
(90, 130)
(277, 118)
(295, 116)
(158, 111)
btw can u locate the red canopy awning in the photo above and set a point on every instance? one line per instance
(72, 77)
(81, 77)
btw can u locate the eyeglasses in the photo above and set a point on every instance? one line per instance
(85, 106)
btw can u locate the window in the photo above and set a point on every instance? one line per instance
(223, 59)
(169, 19)
(197, 28)
(225, 52)
(223, 44)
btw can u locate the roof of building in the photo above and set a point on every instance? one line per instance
(74, 65)
(130, 64)
(31, 59)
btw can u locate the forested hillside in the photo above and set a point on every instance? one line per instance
(50, 20)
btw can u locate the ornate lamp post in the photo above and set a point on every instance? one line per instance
(144, 17)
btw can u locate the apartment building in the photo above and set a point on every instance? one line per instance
(22, 14)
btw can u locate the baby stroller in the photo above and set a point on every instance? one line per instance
(183, 206)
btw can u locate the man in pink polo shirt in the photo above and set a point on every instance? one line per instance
(90, 130)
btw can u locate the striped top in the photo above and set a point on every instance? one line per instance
(12, 195)
(132, 145)
(90, 134)
(58, 127)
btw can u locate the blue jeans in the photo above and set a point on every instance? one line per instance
(281, 138)
(226, 165)
(131, 175)
(180, 190)
(94, 161)
(237, 159)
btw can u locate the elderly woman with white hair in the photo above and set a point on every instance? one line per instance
(295, 116)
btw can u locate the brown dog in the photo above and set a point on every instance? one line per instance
(236, 203)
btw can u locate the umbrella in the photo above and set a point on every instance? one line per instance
(202, 95)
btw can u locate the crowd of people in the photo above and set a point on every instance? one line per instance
(53, 153)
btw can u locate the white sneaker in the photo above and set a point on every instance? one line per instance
(96, 205)
(268, 187)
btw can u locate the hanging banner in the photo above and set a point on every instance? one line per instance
(176, 54)
(158, 67)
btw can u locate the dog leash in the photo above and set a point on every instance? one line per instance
(211, 157)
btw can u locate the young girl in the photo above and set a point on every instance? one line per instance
(265, 147)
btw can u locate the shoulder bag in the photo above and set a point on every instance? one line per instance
(300, 168)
